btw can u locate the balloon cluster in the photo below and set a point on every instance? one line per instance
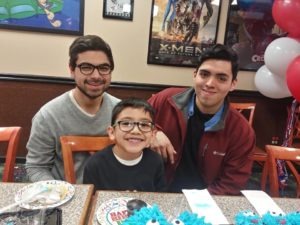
(280, 76)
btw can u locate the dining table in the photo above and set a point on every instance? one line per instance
(175, 203)
(74, 212)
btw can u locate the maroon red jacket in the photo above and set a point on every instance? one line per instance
(225, 149)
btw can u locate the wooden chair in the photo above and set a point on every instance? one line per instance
(284, 153)
(259, 156)
(247, 109)
(75, 144)
(11, 135)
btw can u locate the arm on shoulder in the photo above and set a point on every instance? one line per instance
(162, 145)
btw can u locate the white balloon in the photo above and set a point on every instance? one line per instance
(280, 53)
(270, 85)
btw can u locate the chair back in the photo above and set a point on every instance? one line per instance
(75, 144)
(247, 109)
(11, 135)
(284, 153)
(259, 156)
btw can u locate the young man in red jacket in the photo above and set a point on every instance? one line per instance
(208, 143)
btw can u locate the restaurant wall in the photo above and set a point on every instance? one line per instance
(16, 90)
(46, 54)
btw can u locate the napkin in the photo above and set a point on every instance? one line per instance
(262, 202)
(202, 203)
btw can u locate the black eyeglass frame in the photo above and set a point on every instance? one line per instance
(98, 67)
(133, 124)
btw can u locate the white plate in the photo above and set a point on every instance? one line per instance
(113, 211)
(61, 191)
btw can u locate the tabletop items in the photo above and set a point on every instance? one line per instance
(174, 209)
(80, 206)
(38, 202)
(30, 196)
(202, 203)
(135, 205)
(113, 211)
(75, 206)
(250, 218)
(153, 215)
(262, 202)
(120, 210)
(51, 216)
(268, 212)
(45, 194)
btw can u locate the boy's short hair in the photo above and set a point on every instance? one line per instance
(136, 103)
(221, 52)
(89, 43)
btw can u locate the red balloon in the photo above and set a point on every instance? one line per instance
(293, 78)
(297, 39)
(286, 14)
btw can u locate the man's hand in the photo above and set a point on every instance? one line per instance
(162, 145)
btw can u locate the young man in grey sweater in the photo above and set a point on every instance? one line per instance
(84, 110)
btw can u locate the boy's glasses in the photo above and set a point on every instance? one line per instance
(88, 69)
(127, 126)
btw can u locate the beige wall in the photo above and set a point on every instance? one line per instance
(47, 54)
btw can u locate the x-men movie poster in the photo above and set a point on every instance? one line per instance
(181, 29)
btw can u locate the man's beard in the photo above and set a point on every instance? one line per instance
(88, 95)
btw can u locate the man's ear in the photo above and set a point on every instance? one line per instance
(72, 72)
(233, 84)
(195, 73)
(111, 133)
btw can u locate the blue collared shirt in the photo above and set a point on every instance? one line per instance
(210, 123)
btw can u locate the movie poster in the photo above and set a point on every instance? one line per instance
(181, 29)
(250, 29)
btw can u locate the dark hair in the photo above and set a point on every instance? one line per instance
(221, 52)
(89, 43)
(132, 102)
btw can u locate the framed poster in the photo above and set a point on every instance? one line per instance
(118, 9)
(51, 16)
(181, 29)
(250, 29)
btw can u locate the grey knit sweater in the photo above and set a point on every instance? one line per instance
(60, 117)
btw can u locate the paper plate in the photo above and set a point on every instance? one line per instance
(60, 191)
(113, 211)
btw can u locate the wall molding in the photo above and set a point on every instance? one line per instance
(120, 85)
